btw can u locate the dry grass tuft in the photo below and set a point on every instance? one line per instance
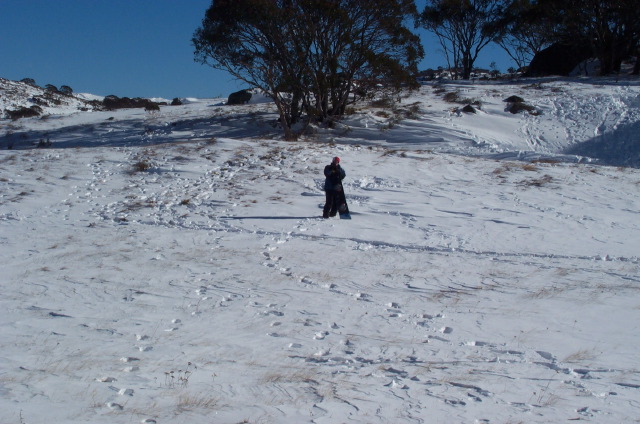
(141, 166)
(544, 293)
(580, 356)
(190, 402)
(537, 182)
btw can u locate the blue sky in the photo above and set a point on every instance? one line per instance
(134, 48)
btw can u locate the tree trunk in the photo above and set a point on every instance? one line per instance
(285, 120)
(467, 64)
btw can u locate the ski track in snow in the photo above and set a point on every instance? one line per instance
(207, 287)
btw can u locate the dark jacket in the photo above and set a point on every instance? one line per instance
(335, 174)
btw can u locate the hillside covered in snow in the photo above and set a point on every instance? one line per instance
(172, 266)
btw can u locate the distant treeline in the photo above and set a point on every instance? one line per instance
(606, 30)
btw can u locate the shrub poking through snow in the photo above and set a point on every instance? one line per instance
(112, 102)
(516, 104)
(514, 99)
(24, 112)
(142, 165)
(469, 109)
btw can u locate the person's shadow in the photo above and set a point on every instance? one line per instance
(239, 218)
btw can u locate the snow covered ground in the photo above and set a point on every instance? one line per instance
(172, 267)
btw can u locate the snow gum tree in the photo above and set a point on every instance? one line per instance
(463, 27)
(311, 56)
(610, 27)
(522, 31)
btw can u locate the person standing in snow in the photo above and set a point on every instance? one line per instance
(333, 187)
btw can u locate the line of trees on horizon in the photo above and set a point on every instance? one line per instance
(64, 89)
(609, 29)
(315, 57)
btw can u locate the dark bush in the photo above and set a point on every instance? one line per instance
(39, 101)
(469, 109)
(65, 89)
(522, 107)
(516, 104)
(24, 112)
(239, 97)
(514, 99)
(112, 102)
(451, 97)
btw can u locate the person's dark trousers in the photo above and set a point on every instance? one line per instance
(331, 204)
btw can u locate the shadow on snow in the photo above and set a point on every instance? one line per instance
(141, 132)
(620, 147)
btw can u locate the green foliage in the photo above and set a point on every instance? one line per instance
(65, 89)
(29, 81)
(313, 57)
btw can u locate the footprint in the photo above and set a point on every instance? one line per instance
(395, 385)
(546, 355)
(125, 392)
(286, 271)
(321, 335)
(394, 310)
(308, 322)
(476, 343)
(114, 406)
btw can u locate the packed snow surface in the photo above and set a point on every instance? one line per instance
(172, 266)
